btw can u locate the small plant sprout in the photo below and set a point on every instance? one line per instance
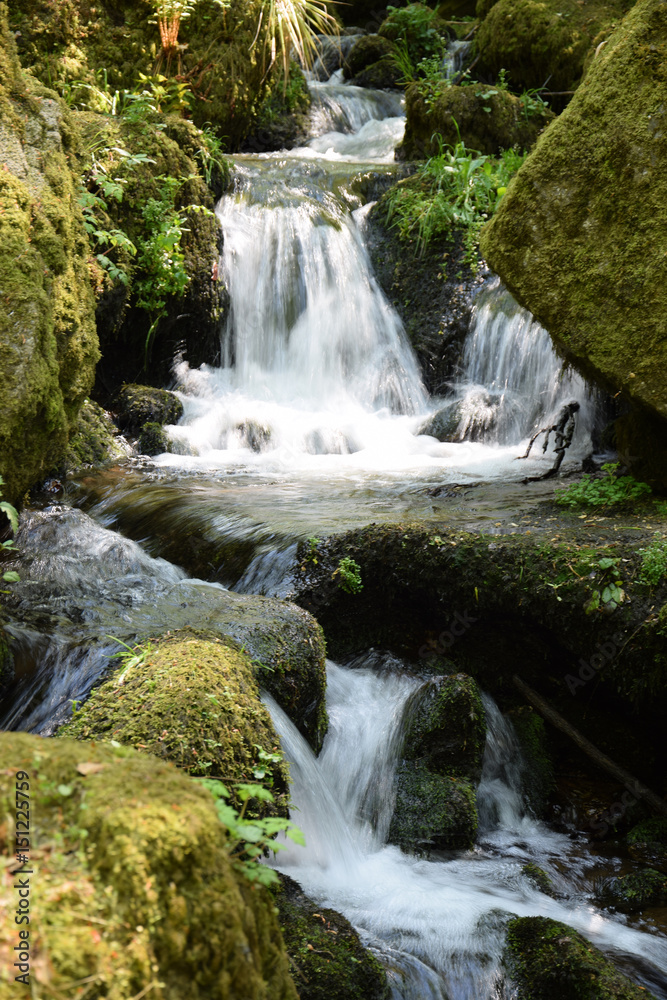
(348, 574)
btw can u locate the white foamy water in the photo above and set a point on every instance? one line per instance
(438, 925)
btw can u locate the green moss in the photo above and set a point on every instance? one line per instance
(650, 831)
(325, 952)
(538, 771)
(635, 892)
(432, 811)
(153, 440)
(538, 877)
(446, 729)
(484, 118)
(194, 701)
(135, 884)
(93, 440)
(550, 961)
(579, 237)
(367, 50)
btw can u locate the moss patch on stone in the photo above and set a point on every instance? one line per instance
(538, 769)
(579, 237)
(550, 961)
(94, 439)
(635, 892)
(135, 883)
(138, 404)
(485, 119)
(431, 811)
(327, 957)
(193, 700)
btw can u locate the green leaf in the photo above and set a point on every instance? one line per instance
(10, 513)
(65, 790)
(11, 576)
(607, 563)
(246, 792)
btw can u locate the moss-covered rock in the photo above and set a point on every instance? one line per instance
(538, 877)
(191, 699)
(442, 762)
(445, 727)
(153, 439)
(329, 960)
(139, 404)
(93, 440)
(365, 51)
(135, 881)
(550, 961)
(537, 777)
(484, 118)
(543, 44)
(431, 811)
(579, 238)
(48, 343)
(650, 831)
(385, 74)
(635, 892)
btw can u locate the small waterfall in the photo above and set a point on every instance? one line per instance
(500, 801)
(438, 926)
(512, 381)
(338, 107)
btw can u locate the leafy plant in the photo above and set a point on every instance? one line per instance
(611, 489)
(349, 575)
(289, 29)
(457, 187)
(168, 17)
(654, 561)
(414, 27)
(609, 592)
(249, 839)
(10, 512)
(130, 656)
(210, 156)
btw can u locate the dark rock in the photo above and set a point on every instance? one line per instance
(94, 439)
(432, 812)
(137, 404)
(537, 777)
(333, 53)
(366, 50)
(635, 892)
(384, 74)
(324, 947)
(444, 424)
(152, 439)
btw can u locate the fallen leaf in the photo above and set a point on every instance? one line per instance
(89, 767)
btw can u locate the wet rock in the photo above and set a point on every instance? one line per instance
(444, 424)
(332, 964)
(548, 960)
(48, 342)
(255, 436)
(153, 877)
(385, 74)
(94, 440)
(538, 877)
(192, 699)
(486, 119)
(593, 192)
(366, 50)
(442, 753)
(333, 53)
(138, 404)
(635, 892)
(153, 440)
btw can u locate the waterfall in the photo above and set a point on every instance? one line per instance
(437, 925)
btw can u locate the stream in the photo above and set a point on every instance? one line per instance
(314, 424)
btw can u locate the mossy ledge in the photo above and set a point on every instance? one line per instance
(135, 883)
(580, 239)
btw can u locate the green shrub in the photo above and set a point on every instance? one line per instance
(349, 575)
(654, 561)
(611, 489)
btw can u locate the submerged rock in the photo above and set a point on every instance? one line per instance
(136, 883)
(550, 961)
(579, 239)
(486, 119)
(329, 960)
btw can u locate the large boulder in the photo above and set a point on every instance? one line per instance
(486, 119)
(136, 882)
(48, 342)
(579, 239)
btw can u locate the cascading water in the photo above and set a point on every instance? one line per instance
(439, 925)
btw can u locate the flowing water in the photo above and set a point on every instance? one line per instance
(437, 925)
(314, 423)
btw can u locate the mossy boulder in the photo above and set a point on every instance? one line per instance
(191, 699)
(385, 74)
(486, 119)
(139, 404)
(136, 885)
(539, 878)
(537, 776)
(48, 342)
(635, 892)
(442, 762)
(366, 50)
(543, 44)
(153, 439)
(650, 831)
(325, 950)
(93, 440)
(550, 961)
(579, 239)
